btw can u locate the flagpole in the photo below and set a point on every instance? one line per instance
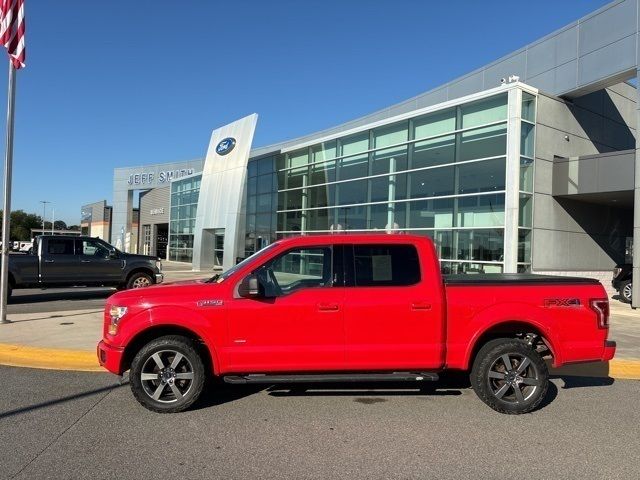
(6, 216)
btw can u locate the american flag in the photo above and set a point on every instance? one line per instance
(12, 30)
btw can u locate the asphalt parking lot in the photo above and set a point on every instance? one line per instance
(85, 425)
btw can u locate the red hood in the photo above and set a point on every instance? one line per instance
(163, 293)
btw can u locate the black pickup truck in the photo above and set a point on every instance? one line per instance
(57, 261)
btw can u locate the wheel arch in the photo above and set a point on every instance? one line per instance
(140, 269)
(156, 331)
(507, 329)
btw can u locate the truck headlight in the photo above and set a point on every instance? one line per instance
(159, 265)
(115, 314)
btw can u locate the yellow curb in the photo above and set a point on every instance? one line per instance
(627, 369)
(49, 358)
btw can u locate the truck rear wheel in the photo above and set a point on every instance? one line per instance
(509, 376)
(167, 375)
(625, 291)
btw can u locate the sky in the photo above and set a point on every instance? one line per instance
(125, 83)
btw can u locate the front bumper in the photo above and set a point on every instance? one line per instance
(609, 350)
(110, 357)
(159, 278)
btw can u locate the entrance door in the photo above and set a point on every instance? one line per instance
(218, 247)
(393, 311)
(300, 327)
(162, 239)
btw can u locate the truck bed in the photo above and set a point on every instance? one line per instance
(514, 279)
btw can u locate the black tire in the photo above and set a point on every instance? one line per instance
(497, 384)
(625, 291)
(139, 280)
(167, 380)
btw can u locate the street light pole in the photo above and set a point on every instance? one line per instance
(53, 219)
(44, 212)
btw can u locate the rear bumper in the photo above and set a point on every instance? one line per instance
(110, 357)
(609, 350)
(159, 278)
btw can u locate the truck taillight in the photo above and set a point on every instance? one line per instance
(601, 307)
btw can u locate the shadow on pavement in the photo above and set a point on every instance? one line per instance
(590, 374)
(217, 392)
(46, 296)
(57, 401)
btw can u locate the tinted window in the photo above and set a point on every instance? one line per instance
(386, 265)
(60, 247)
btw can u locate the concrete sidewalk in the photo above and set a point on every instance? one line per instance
(78, 332)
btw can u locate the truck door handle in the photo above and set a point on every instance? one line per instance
(328, 307)
(85, 261)
(49, 261)
(420, 306)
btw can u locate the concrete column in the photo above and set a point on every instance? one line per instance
(635, 291)
(512, 185)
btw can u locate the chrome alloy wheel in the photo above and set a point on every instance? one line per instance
(626, 291)
(513, 378)
(141, 282)
(167, 376)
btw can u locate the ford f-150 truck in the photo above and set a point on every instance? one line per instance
(353, 308)
(59, 260)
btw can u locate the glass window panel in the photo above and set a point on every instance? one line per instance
(526, 210)
(281, 162)
(386, 265)
(387, 216)
(524, 246)
(483, 142)
(392, 187)
(292, 221)
(437, 151)
(355, 143)
(301, 268)
(296, 177)
(437, 213)
(318, 219)
(351, 218)
(264, 202)
(390, 135)
(485, 111)
(265, 165)
(351, 192)
(434, 124)
(323, 151)
(441, 239)
(251, 204)
(431, 183)
(263, 222)
(353, 167)
(482, 176)
(526, 174)
(251, 223)
(388, 161)
(321, 196)
(474, 268)
(481, 245)
(528, 107)
(252, 168)
(323, 173)
(527, 138)
(480, 211)
(294, 199)
(298, 158)
(265, 183)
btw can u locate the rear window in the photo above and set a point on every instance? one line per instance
(60, 247)
(386, 265)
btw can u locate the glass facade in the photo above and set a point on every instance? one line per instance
(262, 203)
(182, 220)
(441, 174)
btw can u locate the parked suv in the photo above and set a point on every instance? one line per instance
(622, 281)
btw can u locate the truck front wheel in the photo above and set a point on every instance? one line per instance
(509, 376)
(139, 280)
(167, 375)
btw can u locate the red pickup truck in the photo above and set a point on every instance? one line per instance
(337, 308)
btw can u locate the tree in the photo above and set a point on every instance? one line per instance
(59, 225)
(21, 224)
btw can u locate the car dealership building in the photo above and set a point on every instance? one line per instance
(526, 164)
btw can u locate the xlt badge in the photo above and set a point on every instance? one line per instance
(210, 303)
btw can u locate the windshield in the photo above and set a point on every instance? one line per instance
(218, 278)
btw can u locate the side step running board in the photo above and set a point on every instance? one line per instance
(335, 377)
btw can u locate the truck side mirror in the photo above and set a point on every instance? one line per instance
(113, 254)
(249, 287)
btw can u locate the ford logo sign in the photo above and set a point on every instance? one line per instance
(225, 146)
